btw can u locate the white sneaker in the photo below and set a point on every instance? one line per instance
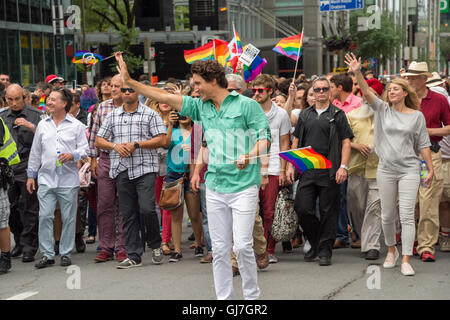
(407, 270)
(272, 259)
(444, 243)
(391, 260)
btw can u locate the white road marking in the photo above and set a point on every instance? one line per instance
(23, 296)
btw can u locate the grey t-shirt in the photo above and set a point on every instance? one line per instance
(399, 137)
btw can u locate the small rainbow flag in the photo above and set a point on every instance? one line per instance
(305, 159)
(42, 103)
(213, 50)
(290, 47)
(86, 57)
(255, 69)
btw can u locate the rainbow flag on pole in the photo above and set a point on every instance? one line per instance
(255, 69)
(213, 50)
(305, 159)
(86, 57)
(42, 103)
(290, 47)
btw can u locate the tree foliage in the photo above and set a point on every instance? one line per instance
(379, 43)
(128, 37)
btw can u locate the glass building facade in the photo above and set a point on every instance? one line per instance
(29, 50)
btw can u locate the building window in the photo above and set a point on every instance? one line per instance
(204, 8)
(2, 10)
(14, 56)
(38, 61)
(48, 54)
(35, 11)
(46, 12)
(24, 11)
(3, 51)
(25, 40)
(11, 10)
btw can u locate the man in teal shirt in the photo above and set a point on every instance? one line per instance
(237, 131)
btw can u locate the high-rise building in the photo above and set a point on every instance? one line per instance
(29, 48)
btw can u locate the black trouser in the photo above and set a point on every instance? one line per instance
(24, 216)
(320, 233)
(137, 197)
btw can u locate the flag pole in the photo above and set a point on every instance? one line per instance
(298, 55)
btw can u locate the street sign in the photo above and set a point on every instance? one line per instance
(445, 4)
(338, 5)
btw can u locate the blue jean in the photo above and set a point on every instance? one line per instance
(342, 232)
(68, 202)
(205, 217)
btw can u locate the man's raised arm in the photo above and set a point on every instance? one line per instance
(157, 94)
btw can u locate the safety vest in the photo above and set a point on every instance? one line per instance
(9, 149)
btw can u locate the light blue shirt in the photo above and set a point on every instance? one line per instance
(68, 137)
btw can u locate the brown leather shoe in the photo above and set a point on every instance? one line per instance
(208, 258)
(262, 260)
(339, 244)
(356, 244)
(235, 271)
(297, 242)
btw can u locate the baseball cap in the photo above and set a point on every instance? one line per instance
(53, 77)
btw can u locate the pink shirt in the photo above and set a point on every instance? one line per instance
(351, 103)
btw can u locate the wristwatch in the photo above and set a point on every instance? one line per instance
(344, 167)
(136, 145)
(265, 174)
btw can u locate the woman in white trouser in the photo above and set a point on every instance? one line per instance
(400, 135)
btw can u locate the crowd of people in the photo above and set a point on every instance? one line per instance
(99, 159)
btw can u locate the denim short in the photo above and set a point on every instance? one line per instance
(174, 176)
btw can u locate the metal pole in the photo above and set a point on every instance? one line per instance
(342, 26)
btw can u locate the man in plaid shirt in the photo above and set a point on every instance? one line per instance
(100, 166)
(133, 132)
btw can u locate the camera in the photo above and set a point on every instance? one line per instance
(180, 117)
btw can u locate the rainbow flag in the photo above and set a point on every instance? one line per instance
(305, 159)
(290, 46)
(42, 103)
(86, 57)
(255, 69)
(214, 50)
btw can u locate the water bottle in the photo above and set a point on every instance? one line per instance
(58, 164)
(423, 174)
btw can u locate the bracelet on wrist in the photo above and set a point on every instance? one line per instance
(115, 144)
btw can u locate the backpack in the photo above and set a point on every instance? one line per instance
(285, 220)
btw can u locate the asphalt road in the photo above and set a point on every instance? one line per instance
(290, 279)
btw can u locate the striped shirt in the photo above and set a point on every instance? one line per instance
(139, 125)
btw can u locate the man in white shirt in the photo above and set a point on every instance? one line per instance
(59, 142)
(275, 175)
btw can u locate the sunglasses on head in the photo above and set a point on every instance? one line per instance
(324, 89)
(259, 90)
(123, 90)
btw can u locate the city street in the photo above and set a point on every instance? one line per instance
(290, 279)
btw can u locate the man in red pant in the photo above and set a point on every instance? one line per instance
(106, 202)
(280, 125)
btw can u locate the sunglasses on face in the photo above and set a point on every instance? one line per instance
(324, 89)
(123, 90)
(231, 90)
(260, 90)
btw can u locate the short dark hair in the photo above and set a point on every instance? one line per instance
(76, 97)
(66, 96)
(143, 77)
(283, 86)
(43, 86)
(210, 70)
(266, 81)
(343, 80)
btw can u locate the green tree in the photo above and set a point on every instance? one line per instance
(119, 15)
(380, 43)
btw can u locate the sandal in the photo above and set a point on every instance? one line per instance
(90, 240)
(165, 249)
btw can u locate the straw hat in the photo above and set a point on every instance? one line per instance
(435, 80)
(417, 69)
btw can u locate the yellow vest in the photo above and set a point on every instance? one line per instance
(9, 149)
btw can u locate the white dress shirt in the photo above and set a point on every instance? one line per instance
(68, 137)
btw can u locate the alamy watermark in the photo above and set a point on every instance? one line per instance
(74, 280)
(373, 281)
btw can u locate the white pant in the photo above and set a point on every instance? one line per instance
(232, 216)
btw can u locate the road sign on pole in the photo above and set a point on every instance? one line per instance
(338, 5)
